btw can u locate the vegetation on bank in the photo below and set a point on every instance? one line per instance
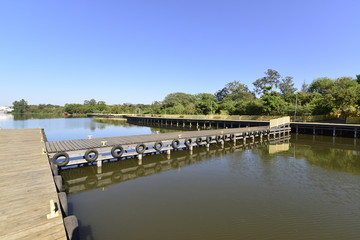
(273, 94)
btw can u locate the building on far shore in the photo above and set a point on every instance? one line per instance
(6, 109)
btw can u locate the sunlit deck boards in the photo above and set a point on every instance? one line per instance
(73, 145)
(26, 186)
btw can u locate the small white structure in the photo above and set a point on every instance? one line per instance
(6, 109)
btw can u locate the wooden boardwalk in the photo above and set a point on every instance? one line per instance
(26, 186)
(75, 152)
(72, 145)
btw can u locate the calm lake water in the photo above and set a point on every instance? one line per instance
(305, 188)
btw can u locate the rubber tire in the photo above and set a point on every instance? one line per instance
(199, 140)
(140, 148)
(232, 136)
(226, 137)
(62, 154)
(209, 139)
(188, 142)
(157, 147)
(219, 138)
(175, 144)
(91, 159)
(117, 151)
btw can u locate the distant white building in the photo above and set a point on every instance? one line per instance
(6, 109)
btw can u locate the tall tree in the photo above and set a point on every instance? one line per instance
(345, 93)
(272, 102)
(272, 79)
(286, 87)
(234, 91)
(206, 103)
(20, 106)
(321, 85)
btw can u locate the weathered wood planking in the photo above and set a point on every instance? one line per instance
(73, 145)
(26, 186)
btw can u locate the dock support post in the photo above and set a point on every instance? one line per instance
(334, 132)
(313, 130)
(168, 152)
(355, 133)
(139, 156)
(99, 163)
(208, 145)
(244, 139)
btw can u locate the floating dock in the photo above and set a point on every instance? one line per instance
(73, 152)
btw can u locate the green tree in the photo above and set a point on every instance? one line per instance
(272, 102)
(206, 103)
(179, 103)
(272, 79)
(287, 88)
(321, 85)
(345, 93)
(234, 91)
(20, 106)
(358, 78)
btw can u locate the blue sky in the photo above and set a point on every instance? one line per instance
(139, 51)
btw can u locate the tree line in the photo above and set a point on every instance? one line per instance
(272, 94)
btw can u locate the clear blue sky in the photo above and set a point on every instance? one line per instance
(139, 51)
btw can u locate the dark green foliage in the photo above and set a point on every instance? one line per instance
(20, 106)
(287, 89)
(358, 78)
(272, 79)
(278, 96)
(321, 85)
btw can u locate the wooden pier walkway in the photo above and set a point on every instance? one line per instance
(26, 186)
(73, 152)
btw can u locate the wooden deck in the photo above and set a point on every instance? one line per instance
(26, 186)
(72, 145)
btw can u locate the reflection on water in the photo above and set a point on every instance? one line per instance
(303, 190)
(6, 117)
(91, 177)
(57, 129)
(154, 129)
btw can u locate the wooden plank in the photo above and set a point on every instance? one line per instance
(26, 187)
